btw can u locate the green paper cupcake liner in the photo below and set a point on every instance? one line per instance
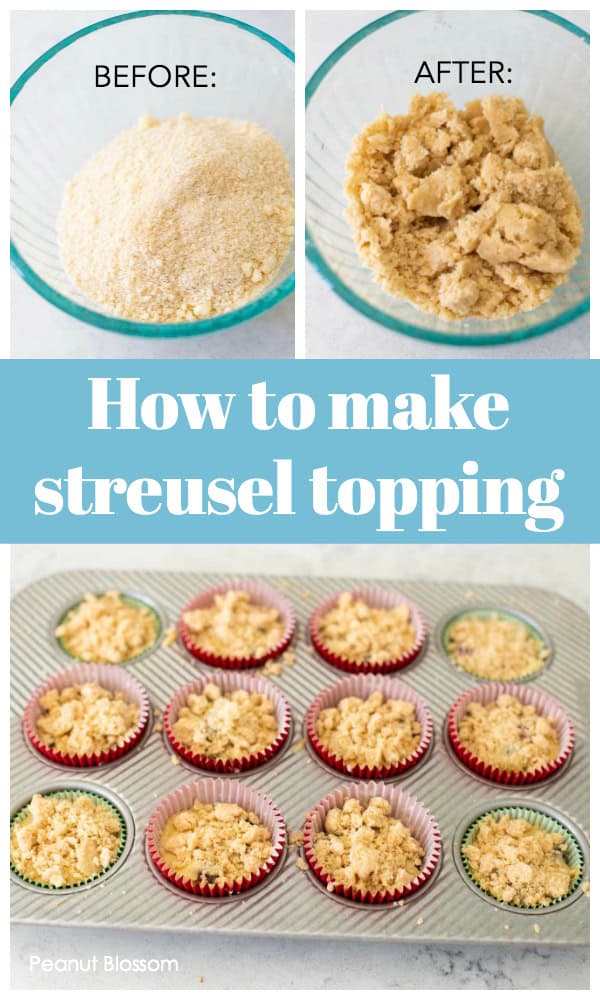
(484, 613)
(134, 602)
(574, 857)
(73, 793)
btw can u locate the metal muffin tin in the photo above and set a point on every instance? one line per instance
(288, 903)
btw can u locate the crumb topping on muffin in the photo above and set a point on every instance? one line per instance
(226, 725)
(106, 628)
(61, 841)
(518, 862)
(495, 647)
(366, 634)
(369, 732)
(215, 843)
(85, 719)
(235, 625)
(366, 848)
(509, 734)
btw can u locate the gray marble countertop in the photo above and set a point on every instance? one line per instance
(336, 330)
(273, 963)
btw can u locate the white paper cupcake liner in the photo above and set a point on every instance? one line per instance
(484, 694)
(404, 807)
(260, 593)
(377, 597)
(362, 686)
(229, 681)
(212, 790)
(112, 678)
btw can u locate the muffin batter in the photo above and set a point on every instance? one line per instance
(370, 732)
(519, 863)
(366, 848)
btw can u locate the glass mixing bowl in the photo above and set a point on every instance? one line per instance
(375, 67)
(60, 119)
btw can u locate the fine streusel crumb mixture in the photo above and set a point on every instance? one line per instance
(62, 841)
(509, 734)
(178, 220)
(85, 719)
(235, 625)
(106, 628)
(369, 732)
(215, 844)
(463, 213)
(226, 725)
(364, 633)
(366, 848)
(497, 648)
(519, 863)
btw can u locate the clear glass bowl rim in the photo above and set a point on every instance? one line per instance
(114, 323)
(354, 300)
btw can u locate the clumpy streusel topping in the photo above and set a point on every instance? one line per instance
(369, 732)
(107, 629)
(366, 634)
(463, 212)
(509, 734)
(61, 841)
(215, 844)
(495, 647)
(85, 719)
(366, 848)
(235, 625)
(519, 863)
(226, 725)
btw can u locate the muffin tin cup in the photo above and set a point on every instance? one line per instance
(73, 793)
(378, 597)
(543, 704)
(212, 790)
(538, 815)
(260, 593)
(361, 687)
(484, 611)
(113, 678)
(135, 600)
(229, 681)
(404, 807)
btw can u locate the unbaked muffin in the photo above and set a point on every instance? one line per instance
(509, 734)
(495, 646)
(372, 732)
(85, 719)
(366, 634)
(226, 725)
(107, 628)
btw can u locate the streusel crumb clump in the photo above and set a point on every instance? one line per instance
(215, 843)
(85, 719)
(235, 625)
(106, 628)
(366, 848)
(518, 862)
(226, 725)
(61, 841)
(463, 212)
(369, 732)
(366, 634)
(495, 647)
(509, 734)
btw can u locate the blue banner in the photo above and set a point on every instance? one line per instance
(283, 451)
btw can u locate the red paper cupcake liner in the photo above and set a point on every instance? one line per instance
(109, 676)
(377, 597)
(212, 790)
(229, 681)
(361, 687)
(406, 808)
(259, 592)
(543, 704)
